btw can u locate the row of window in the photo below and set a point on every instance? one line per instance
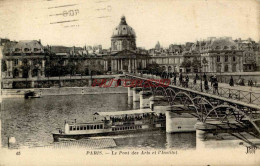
(27, 49)
(226, 58)
(86, 127)
(126, 128)
(35, 62)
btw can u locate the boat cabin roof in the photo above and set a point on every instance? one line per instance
(128, 112)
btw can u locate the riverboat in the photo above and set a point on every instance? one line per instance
(113, 123)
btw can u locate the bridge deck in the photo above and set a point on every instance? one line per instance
(231, 100)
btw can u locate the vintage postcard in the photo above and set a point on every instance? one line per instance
(129, 82)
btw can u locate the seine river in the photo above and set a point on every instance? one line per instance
(32, 121)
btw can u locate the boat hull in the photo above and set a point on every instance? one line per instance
(58, 137)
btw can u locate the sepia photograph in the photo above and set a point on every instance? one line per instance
(129, 82)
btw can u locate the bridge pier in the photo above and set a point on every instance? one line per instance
(130, 92)
(144, 99)
(201, 135)
(136, 95)
(130, 100)
(179, 120)
(157, 101)
(220, 135)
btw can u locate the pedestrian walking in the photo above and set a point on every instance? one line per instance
(204, 76)
(211, 80)
(187, 81)
(231, 81)
(195, 81)
(206, 85)
(251, 83)
(180, 78)
(175, 79)
(215, 87)
(197, 76)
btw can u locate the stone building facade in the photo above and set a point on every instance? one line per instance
(221, 55)
(26, 60)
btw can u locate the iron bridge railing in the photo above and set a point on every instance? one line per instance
(249, 97)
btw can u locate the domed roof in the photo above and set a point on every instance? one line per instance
(123, 30)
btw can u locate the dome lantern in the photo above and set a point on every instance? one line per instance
(123, 21)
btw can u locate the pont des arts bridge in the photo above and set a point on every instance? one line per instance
(230, 116)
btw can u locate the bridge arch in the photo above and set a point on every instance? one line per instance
(171, 93)
(222, 115)
(186, 99)
(161, 91)
(203, 106)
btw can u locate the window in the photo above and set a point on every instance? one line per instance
(87, 127)
(97, 126)
(74, 127)
(16, 62)
(226, 68)
(234, 58)
(70, 127)
(101, 126)
(17, 49)
(35, 49)
(91, 127)
(234, 68)
(218, 58)
(77, 127)
(226, 58)
(26, 49)
(81, 127)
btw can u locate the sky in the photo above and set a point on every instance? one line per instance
(91, 22)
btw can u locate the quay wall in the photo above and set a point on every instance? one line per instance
(16, 93)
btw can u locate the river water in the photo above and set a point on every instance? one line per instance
(32, 121)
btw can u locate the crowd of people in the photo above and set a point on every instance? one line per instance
(184, 80)
(127, 118)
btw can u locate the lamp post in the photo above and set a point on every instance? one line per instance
(201, 78)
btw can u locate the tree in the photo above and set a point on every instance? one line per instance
(80, 68)
(186, 63)
(154, 67)
(54, 66)
(70, 68)
(196, 63)
(95, 68)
